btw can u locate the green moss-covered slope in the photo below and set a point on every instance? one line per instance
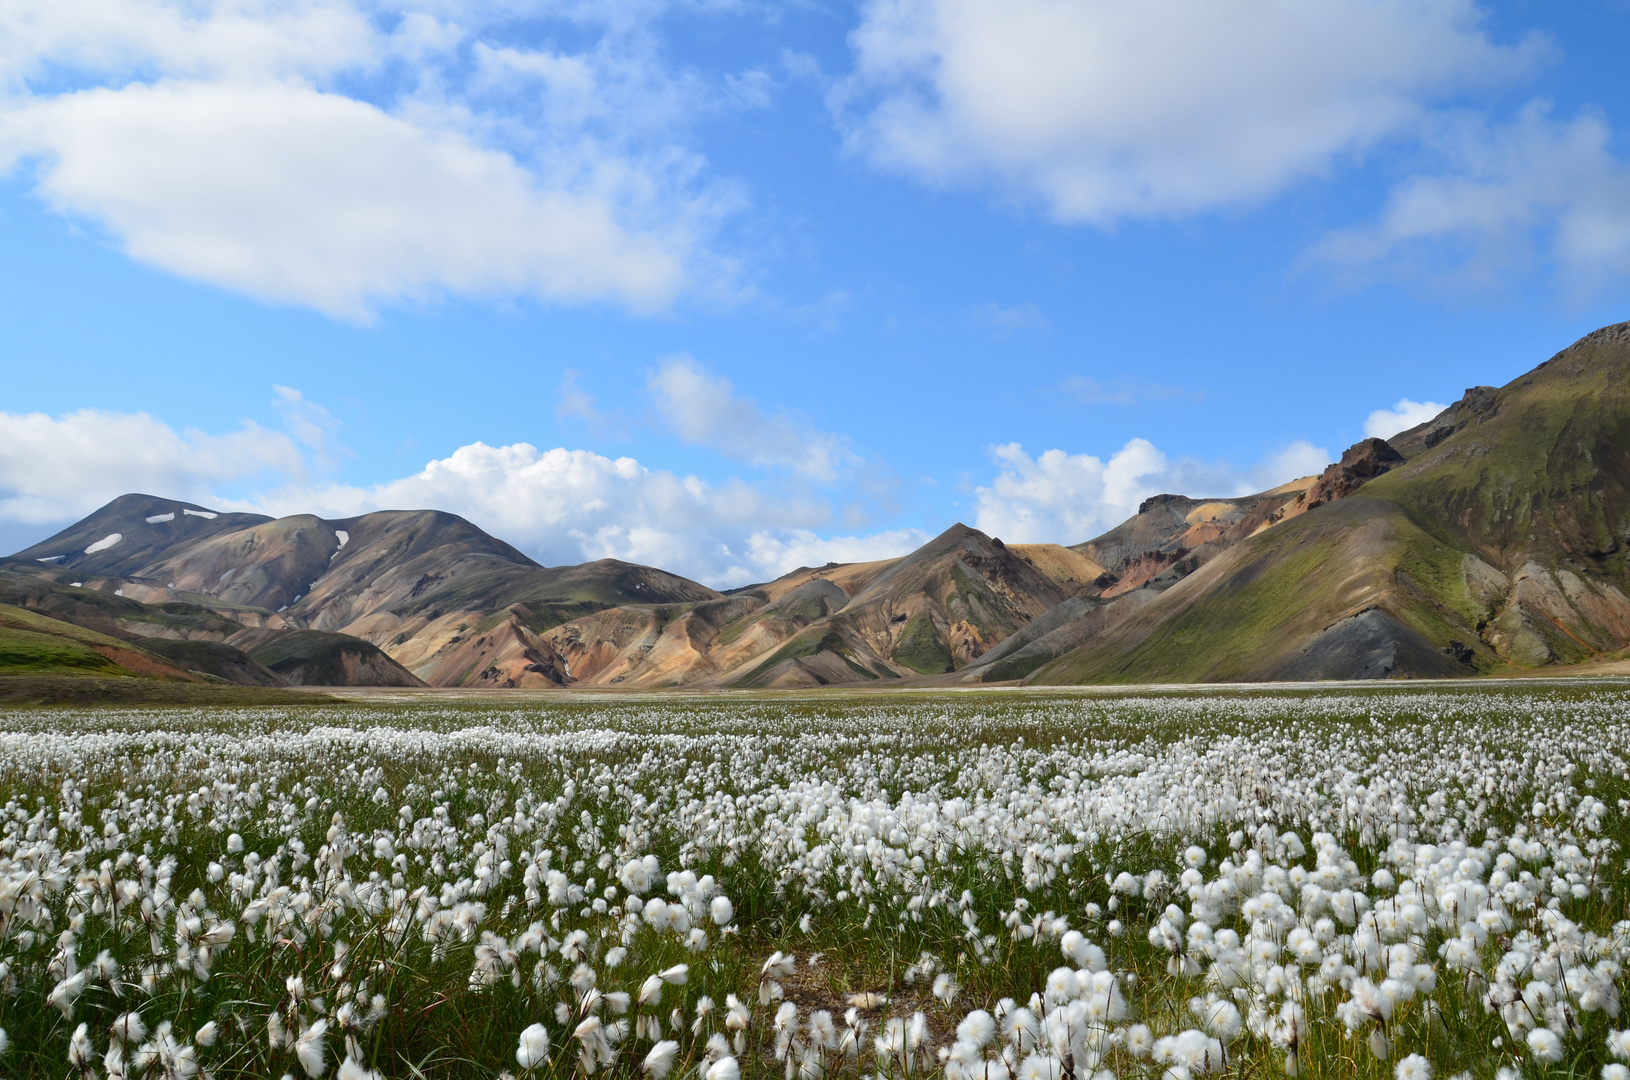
(1504, 544)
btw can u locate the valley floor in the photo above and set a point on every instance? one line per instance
(1605, 675)
(1363, 880)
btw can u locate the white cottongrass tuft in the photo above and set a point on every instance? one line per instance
(1545, 1044)
(311, 1050)
(352, 1069)
(977, 1028)
(660, 1060)
(726, 1068)
(1413, 1067)
(128, 1029)
(534, 1046)
(80, 1050)
(722, 910)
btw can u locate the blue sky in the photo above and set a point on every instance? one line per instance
(731, 287)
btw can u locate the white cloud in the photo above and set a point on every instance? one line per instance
(1139, 108)
(238, 144)
(54, 469)
(705, 409)
(1503, 194)
(132, 39)
(567, 506)
(572, 401)
(1385, 423)
(790, 549)
(1301, 458)
(1057, 497)
(559, 505)
(293, 195)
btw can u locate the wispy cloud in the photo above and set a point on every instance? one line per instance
(1504, 201)
(705, 409)
(311, 425)
(1124, 390)
(1025, 316)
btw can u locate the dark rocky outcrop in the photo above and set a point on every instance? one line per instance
(1478, 402)
(1359, 464)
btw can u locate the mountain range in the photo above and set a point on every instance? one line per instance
(1494, 537)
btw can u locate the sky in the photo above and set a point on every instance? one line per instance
(730, 288)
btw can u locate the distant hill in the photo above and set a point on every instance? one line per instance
(318, 658)
(411, 583)
(32, 644)
(1493, 537)
(46, 661)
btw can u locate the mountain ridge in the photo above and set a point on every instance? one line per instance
(1493, 537)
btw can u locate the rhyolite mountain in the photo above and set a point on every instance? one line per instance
(1493, 537)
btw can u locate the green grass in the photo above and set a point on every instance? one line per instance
(30, 691)
(318, 652)
(734, 630)
(807, 644)
(1546, 472)
(1224, 634)
(24, 652)
(921, 649)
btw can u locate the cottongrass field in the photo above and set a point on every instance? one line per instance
(1379, 883)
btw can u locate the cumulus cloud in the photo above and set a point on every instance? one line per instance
(299, 154)
(567, 506)
(293, 195)
(559, 505)
(705, 409)
(1385, 423)
(1140, 108)
(133, 38)
(1503, 198)
(793, 548)
(1058, 497)
(54, 469)
(1300, 458)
